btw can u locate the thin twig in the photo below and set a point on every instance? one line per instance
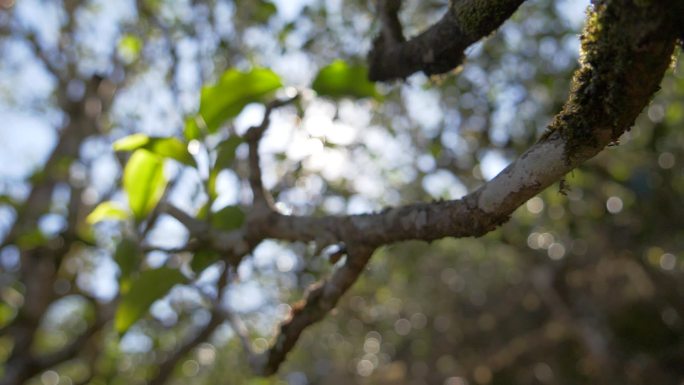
(263, 201)
(320, 300)
(195, 226)
(217, 317)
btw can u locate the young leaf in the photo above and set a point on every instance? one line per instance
(228, 218)
(192, 130)
(131, 142)
(129, 47)
(143, 182)
(108, 210)
(165, 147)
(226, 152)
(32, 239)
(235, 89)
(340, 79)
(203, 211)
(263, 11)
(259, 11)
(127, 256)
(171, 148)
(211, 185)
(150, 286)
(202, 259)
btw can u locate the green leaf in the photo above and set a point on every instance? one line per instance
(131, 142)
(192, 130)
(226, 152)
(203, 211)
(228, 218)
(235, 89)
(258, 11)
(31, 239)
(211, 185)
(150, 286)
(340, 79)
(263, 10)
(127, 256)
(165, 147)
(7, 313)
(171, 148)
(143, 182)
(108, 210)
(130, 47)
(286, 31)
(203, 259)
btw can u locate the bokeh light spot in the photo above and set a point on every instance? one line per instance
(535, 205)
(614, 205)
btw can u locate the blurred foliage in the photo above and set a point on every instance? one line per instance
(340, 79)
(582, 285)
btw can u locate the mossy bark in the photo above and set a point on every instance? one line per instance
(626, 46)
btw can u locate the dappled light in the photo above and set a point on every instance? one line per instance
(302, 192)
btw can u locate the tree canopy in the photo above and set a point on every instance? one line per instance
(298, 192)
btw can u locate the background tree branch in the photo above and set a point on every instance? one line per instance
(441, 47)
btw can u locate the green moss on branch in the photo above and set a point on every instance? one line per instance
(626, 46)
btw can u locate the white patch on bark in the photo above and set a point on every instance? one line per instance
(537, 168)
(408, 220)
(360, 222)
(421, 219)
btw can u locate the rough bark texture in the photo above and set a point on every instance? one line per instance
(441, 47)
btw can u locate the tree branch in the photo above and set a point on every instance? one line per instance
(441, 47)
(320, 299)
(263, 201)
(626, 50)
(165, 370)
(391, 30)
(195, 226)
(232, 244)
(240, 330)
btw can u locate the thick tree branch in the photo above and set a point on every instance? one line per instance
(441, 47)
(626, 50)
